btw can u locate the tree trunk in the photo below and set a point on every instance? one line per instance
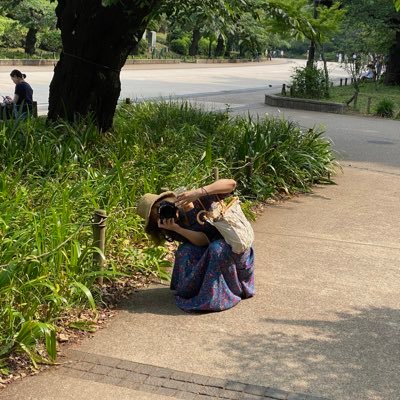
(311, 49)
(392, 75)
(194, 46)
(219, 50)
(311, 55)
(229, 45)
(30, 41)
(96, 42)
(326, 72)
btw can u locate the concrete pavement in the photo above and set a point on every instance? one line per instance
(325, 321)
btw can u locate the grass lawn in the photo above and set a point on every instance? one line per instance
(375, 91)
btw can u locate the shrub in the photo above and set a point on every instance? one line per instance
(12, 33)
(204, 46)
(385, 108)
(180, 46)
(51, 41)
(309, 82)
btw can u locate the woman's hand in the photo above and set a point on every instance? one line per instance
(196, 238)
(187, 197)
(169, 224)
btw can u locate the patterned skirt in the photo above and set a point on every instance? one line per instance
(211, 278)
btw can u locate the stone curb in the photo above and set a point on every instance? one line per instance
(165, 381)
(304, 104)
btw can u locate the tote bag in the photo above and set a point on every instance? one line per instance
(233, 225)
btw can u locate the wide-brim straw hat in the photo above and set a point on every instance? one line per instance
(146, 202)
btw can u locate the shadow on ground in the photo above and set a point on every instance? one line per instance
(154, 300)
(355, 357)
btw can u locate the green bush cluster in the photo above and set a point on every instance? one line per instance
(53, 177)
(180, 46)
(385, 108)
(309, 82)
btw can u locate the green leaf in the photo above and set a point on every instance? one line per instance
(86, 292)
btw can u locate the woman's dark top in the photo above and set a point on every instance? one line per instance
(189, 220)
(25, 95)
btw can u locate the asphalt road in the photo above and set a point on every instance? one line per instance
(242, 87)
(165, 80)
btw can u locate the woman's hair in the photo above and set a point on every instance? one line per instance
(17, 73)
(152, 228)
(158, 235)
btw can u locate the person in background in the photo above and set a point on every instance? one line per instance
(207, 274)
(23, 95)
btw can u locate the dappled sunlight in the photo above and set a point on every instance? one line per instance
(354, 356)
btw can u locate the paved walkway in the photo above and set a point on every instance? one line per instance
(325, 322)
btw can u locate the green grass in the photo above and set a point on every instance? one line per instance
(375, 91)
(53, 177)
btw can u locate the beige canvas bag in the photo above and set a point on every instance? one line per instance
(231, 222)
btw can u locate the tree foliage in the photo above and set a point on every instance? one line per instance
(34, 15)
(296, 19)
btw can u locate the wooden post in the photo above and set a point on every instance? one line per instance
(345, 81)
(34, 109)
(216, 173)
(99, 239)
(355, 99)
(369, 105)
(249, 168)
(341, 81)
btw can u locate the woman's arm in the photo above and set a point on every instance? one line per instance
(196, 238)
(221, 186)
(15, 99)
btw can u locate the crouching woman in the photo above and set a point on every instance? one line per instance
(207, 274)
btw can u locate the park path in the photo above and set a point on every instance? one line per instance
(325, 321)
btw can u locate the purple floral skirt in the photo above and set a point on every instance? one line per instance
(211, 278)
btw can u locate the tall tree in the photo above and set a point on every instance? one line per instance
(97, 37)
(304, 20)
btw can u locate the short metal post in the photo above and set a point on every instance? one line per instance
(283, 92)
(127, 100)
(345, 81)
(216, 173)
(341, 81)
(99, 239)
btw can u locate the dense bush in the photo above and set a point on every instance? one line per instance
(204, 45)
(50, 40)
(12, 33)
(180, 46)
(309, 82)
(385, 108)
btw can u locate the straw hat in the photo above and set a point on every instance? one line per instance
(146, 203)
